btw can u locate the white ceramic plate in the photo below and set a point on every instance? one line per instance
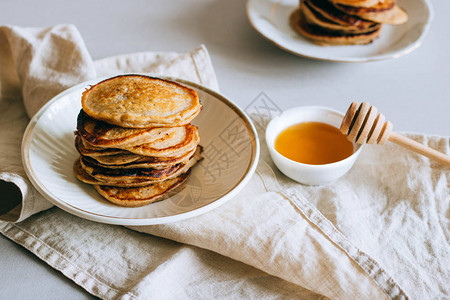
(231, 152)
(271, 19)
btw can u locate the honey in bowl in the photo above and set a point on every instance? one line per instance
(313, 143)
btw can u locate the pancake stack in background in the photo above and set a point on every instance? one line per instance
(135, 139)
(345, 22)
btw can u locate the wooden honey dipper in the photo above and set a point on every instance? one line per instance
(362, 124)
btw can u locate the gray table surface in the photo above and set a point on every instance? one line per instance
(412, 91)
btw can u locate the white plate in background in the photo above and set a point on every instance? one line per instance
(231, 153)
(271, 19)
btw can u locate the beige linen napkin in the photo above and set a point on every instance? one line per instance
(392, 205)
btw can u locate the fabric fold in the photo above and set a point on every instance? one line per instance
(276, 239)
(59, 51)
(37, 64)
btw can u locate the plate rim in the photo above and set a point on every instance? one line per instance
(114, 220)
(416, 44)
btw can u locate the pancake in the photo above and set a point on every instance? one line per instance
(146, 162)
(104, 135)
(176, 142)
(87, 150)
(180, 148)
(386, 12)
(129, 175)
(94, 175)
(138, 101)
(175, 137)
(325, 37)
(118, 159)
(176, 145)
(356, 3)
(83, 176)
(140, 196)
(314, 18)
(328, 11)
(380, 6)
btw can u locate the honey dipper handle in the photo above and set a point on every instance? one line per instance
(419, 148)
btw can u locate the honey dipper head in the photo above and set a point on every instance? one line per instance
(362, 124)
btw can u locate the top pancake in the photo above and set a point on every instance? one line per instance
(356, 3)
(138, 101)
(386, 12)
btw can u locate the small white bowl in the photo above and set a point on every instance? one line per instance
(305, 173)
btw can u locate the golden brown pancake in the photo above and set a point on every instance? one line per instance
(146, 162)
(380, 6)
(314, 18)
(137, 101)
(104, 135)
(140, 196)
(176, 145)
(129, 175)
(386, 12)
(325, 37)
(328, 11)
(83, 176)
(91, 174)
(117, 158)
(87, 150)
(357, 3)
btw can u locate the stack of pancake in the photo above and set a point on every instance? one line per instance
(345, 22)
(135, 138)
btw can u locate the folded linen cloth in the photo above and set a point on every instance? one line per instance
(392, 205)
